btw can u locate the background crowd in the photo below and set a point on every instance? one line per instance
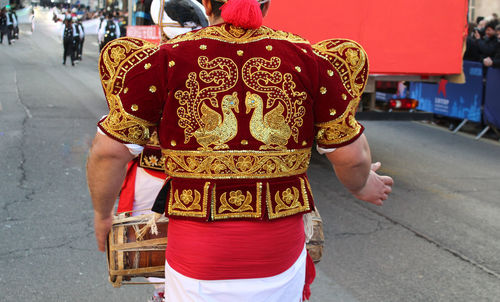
(111, 25)
(483, 41)
(83, 13)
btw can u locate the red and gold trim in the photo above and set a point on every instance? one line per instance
(189, 200)
(349, 60)
(243, 202)
(239, 199)
(342, 129)
(345, 63)
(232, 164)
(289, 199)
(232, 34)
(152, 158)
(115, 62)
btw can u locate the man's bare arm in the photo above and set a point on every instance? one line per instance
(106, 169)
(352, 164)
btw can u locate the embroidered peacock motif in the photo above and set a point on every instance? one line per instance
(207, 125)
(274, 127)
(217, 129)
(270, 128)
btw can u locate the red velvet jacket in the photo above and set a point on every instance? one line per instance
(237, 112)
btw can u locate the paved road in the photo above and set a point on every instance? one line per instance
(436, 239)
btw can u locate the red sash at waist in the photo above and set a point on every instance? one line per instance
(234, 249)
(127, 192)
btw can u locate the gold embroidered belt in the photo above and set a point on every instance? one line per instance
(239, 164)
(152, 158)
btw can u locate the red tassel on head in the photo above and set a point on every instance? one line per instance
(242, 13)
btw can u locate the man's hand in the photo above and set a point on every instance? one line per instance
(377, 187)
(488, 62)
(354, 169)
(106, 169)
(102, 226)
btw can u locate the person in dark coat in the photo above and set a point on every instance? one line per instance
(472, 49)
(79, 36)
(12, 26)
(15, 24)
(489, 43)
(108, 31)
(494, 60)
(4, 30)
(68, 37)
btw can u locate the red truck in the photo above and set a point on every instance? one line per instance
(406, 40)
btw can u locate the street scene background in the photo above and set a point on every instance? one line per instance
(435, 239)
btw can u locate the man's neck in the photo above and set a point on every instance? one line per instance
(215, 20)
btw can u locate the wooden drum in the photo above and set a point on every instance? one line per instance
(314, 235)
(130, 257)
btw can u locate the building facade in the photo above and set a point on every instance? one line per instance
(484, 8)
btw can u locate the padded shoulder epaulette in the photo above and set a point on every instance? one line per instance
(118, 57)
(350, 61)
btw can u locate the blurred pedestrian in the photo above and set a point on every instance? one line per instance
(4, 29)
(68, 36)
(32, 19)
(109, 31)
(101, 21)
(81, 33)
(76, 37)
(15, 25)
(11, 23)
(123, 26)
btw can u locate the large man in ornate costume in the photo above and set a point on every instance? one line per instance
(238, 107)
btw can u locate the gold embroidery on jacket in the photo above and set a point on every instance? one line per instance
(186, 201)
(152, 158)
(153, 162)
(207, 125)
(236, 164)
(272, 128)
(154, 140)
(115, 62)
(349, 60)
(123, 125)
(304, 190)
(213, 202)
(351, 64)
(303, 183)
(232, 34)
(238, 205)
(341, 129)
(188, 205)
(237, 202)
(287, 201)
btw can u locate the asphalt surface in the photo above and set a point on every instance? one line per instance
(436, 239)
